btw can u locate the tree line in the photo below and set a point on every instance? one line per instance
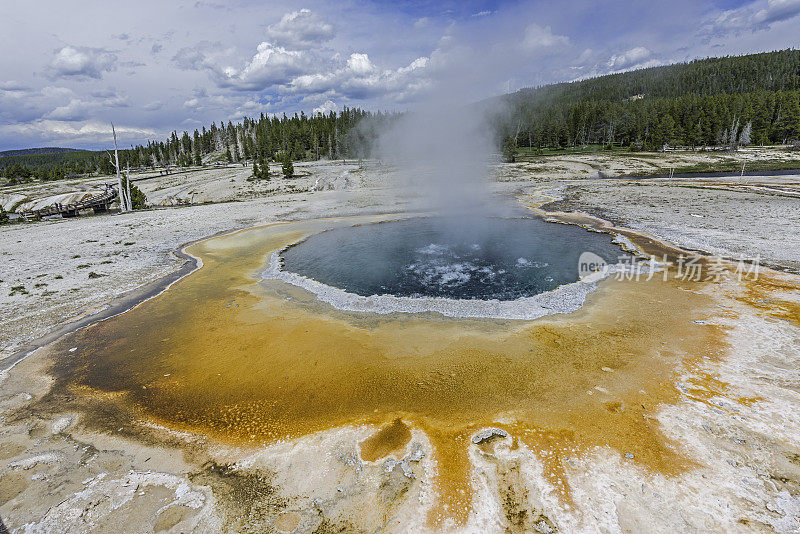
(48, 166)
(729, 101)
(346, 134)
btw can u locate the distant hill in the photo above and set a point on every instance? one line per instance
(715, 101)
(43, 150)
(49, 163)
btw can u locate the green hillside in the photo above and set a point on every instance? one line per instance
(41, 150)
(752, 99)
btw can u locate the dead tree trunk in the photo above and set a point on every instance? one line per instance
(123, 204)
(128, 186)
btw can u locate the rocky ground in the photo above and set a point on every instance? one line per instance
(56, 475)
(616, 163)
(734, 218)
(198, 185)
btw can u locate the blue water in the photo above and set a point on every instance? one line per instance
(464, 258)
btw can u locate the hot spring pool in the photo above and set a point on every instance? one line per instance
(466, 258)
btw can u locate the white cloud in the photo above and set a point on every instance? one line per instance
(422, 22)
(542, 37)
(301, 71)
(757, 16)
(251, 107)
(585, 56)
(201, 100)
(234, 106)
(13, 86)
(271, 65)
(360, 64)
(78, 109)
(777, 10)
(54, 91)
(203, 55)
(326, 107)
(49, 131)
(82, 62)
(638, 56)
(110, 98)
(360, 79)
(189, 58)
(300, 29)
(292, 50)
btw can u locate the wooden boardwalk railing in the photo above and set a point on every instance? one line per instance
(97, 203)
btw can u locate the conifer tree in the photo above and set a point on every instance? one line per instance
(264, 173)
(287, 166)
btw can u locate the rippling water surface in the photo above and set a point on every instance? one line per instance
(475, 258)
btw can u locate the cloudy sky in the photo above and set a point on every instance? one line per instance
(69, 68)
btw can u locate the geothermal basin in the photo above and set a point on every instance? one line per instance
(237, 355)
